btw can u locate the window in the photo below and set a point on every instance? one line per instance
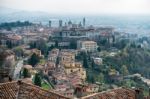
(71, 70)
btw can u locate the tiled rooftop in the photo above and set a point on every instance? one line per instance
(8, 90)
(22, 90)
(121, 93)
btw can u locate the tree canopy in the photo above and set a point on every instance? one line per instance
(34, 59)
(85, 60)
(10, 25)
(25, 73)
(37, 80)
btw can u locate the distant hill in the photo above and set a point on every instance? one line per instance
(5, 11)
(9, 15)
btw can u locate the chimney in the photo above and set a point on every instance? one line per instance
(19, 82)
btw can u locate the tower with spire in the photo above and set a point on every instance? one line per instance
(84, 22)
(60, 23)
(50, 23)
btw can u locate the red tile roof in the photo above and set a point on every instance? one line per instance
(8, 90)
(120, 93)
(22, 90)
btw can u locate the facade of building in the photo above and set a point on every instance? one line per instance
(89, 46)
(98, 60)
(7, 65)
(53, 55)
(63, 44)
(86, 89)
(64, 89)
(75, 67)
(76, 31)
(49, 44)
(50, 67)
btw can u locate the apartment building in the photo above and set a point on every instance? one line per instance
(89, 46)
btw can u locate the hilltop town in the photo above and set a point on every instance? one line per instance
(72, 60)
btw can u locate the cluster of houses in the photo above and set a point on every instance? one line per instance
(66, 73)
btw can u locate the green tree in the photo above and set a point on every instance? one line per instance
(32, 44)
(124, 70)
(41, 45)
(93, 64)
(37, 80)
(103, 42)
(25, 73)
(51, 47)
(18, 51)
(0, 42)
(9, 44)
(44, 49)
(90, 78)
(85, 61)
(10, 25)
(56, 44)
(98, 49)
(34, 59)
(73, 45)
(100, 78)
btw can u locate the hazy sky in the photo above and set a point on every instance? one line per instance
(81, 6)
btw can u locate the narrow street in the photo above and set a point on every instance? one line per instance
(18, 68)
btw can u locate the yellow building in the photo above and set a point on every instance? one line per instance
(67, 57)
(75, 67)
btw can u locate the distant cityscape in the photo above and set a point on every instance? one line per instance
(73, 60)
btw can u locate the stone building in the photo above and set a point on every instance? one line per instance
(75, 67)
(67, 60)
(7, 62)
(86, 89)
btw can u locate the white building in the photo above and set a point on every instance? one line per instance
(98, 61)
(89, 46)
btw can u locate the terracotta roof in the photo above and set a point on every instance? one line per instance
(8, 90)
(27, 66)
(22, 90)
(5, 53)
(120, 93)
(15, 37)
(147, 97)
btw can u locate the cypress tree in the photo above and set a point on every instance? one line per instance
(37, 80)
(25, 73)
(85, 61)
(34, 59)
